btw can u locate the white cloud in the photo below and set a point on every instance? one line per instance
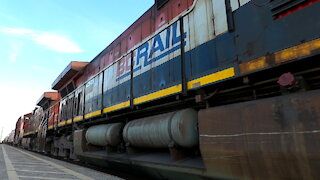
(56, 42)
(52, 41)
(14, 51)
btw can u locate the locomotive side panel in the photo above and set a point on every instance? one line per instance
(53, 116)
(69, 108)
(18, 131)
(78, 109)
(93, 96)
(212, 49)
(157, 65)
(62, 113)
(151, 21)
(267, 34)
(116, 85)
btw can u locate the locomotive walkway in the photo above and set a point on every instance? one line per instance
(18, 164)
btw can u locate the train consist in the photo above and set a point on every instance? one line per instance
(9, 139)
(193, 89)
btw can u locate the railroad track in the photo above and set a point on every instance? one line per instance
(24, 165)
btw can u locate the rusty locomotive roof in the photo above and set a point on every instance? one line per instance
(52, 96)
(71, 70)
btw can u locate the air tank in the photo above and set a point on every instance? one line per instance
(160, 131)
(105, 134)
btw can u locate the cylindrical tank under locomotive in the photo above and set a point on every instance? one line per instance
(105, 135)
(164, 130)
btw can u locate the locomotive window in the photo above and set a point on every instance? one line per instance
(161, 3)
(70, 87)
(46, 105)
(64, 92)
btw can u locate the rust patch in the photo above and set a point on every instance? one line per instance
(275, 138)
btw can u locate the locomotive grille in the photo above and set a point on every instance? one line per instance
(280, 6)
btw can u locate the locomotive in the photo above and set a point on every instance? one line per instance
(193, 89)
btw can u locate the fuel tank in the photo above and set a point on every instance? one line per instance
(105, 134)
(160, 131)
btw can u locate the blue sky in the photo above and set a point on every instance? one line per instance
(38, 38)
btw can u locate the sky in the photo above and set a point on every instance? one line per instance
(39, 38)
